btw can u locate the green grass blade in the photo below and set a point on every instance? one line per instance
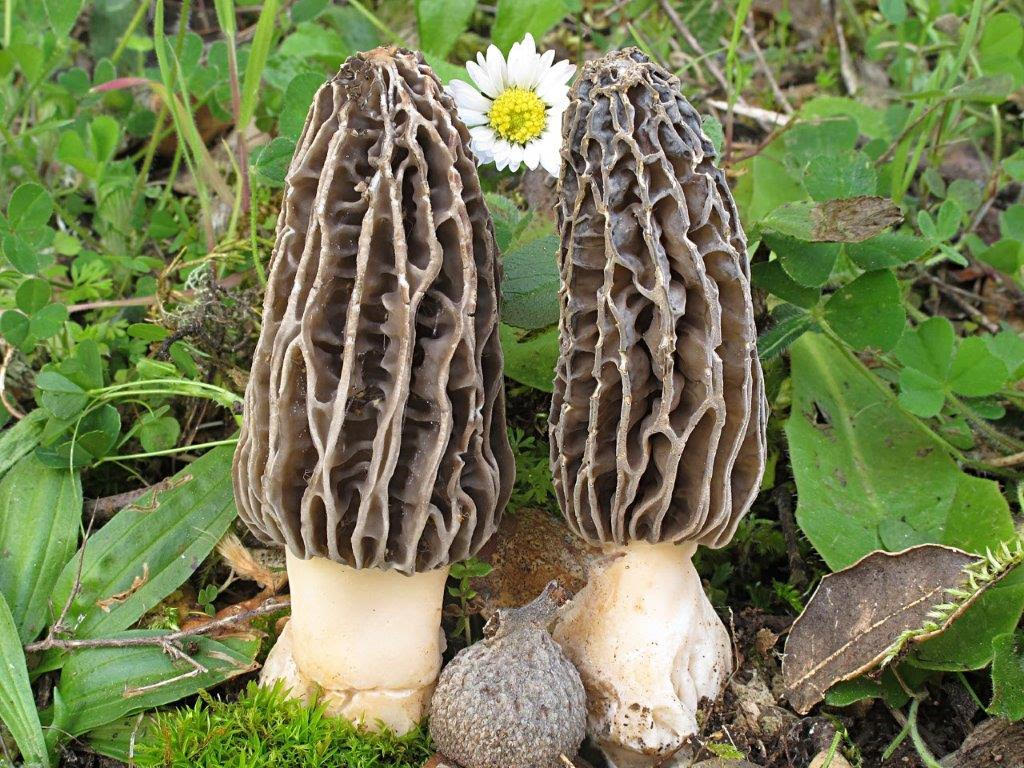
(258, 54)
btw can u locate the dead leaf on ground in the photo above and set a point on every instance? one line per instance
(994, 743)
(856, 614)
(854, 219)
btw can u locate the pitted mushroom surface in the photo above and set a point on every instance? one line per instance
(374, 445)
(658, 416)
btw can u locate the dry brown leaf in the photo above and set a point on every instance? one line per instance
(856, 614)
(853, 219)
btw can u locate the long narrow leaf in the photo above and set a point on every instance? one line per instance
(257, 61)
(147, 550)
(100, 685)
(40, 516)
(17, 707)
(20, 439)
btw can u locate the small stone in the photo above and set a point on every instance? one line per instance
(821, 761)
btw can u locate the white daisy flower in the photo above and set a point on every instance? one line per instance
(514, 114)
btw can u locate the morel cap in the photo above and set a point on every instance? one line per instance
(374, 425)
(658, 416)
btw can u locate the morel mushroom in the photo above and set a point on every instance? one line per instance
(658, 415)
(513, 700)
(374, 445)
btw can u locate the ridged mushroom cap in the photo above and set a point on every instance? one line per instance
(658, 415)
(374, 425)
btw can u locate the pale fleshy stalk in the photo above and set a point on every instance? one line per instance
(649, 648)
(368, 641)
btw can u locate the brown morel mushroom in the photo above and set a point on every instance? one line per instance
(512, 700)
(374, 445)
(658, 415)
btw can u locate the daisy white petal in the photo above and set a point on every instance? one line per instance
(531, 154)
(496, 67)
(481, 76)
(472, 118)
(468, 97)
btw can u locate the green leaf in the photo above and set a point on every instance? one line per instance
(1008, 676)
(32, 295)
(21, 439)
(894, 11)
(836, 175)
(30, 208)
(40, 515)
(271, 163)
(440, 22)
(17, 706)
(62, 15)
(1005, 255)
(920, 393)
(159, 433)
(509, 221)
(105, 134)
(101, 685)
(993, 89)
(976, 372)
(967, 644)
(889, 249)
(928, 347)
(307, 10)
(99, 430)
(1000, 46)
(147, 331)
(23, 257)
(514, 18)
(776, 340)
(14, 326)
(868, 312)
(1011, 222)
(809, 264)
(773, 278)
(297, 98)
(530, 358)
(808, 140)
(1008, 346)
(157, 541)
(48, 321)
(530, 285)
(857, 461)
(59, 395)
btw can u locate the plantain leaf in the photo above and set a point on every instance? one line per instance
(147, 550)
(17, 707)
(100, 685)
(21, 438)
(40, 516)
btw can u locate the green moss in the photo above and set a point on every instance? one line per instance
(263, 728)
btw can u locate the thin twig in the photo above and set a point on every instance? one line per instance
(9, 407)
(270, 606)
(845, 61)
(780, 97)
(692, 41)
(756, 113)
(953, 295)
(1008, 461)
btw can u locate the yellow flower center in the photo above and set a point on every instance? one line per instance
(518, 115)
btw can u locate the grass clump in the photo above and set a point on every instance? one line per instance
(264, 728)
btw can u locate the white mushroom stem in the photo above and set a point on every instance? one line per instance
(649, 648)
(369, 641)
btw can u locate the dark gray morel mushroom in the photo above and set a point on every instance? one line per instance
(374, 445)
(512, 700)
(658, 415)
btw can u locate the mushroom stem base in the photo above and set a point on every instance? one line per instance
(367, 642)
(649, 648)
